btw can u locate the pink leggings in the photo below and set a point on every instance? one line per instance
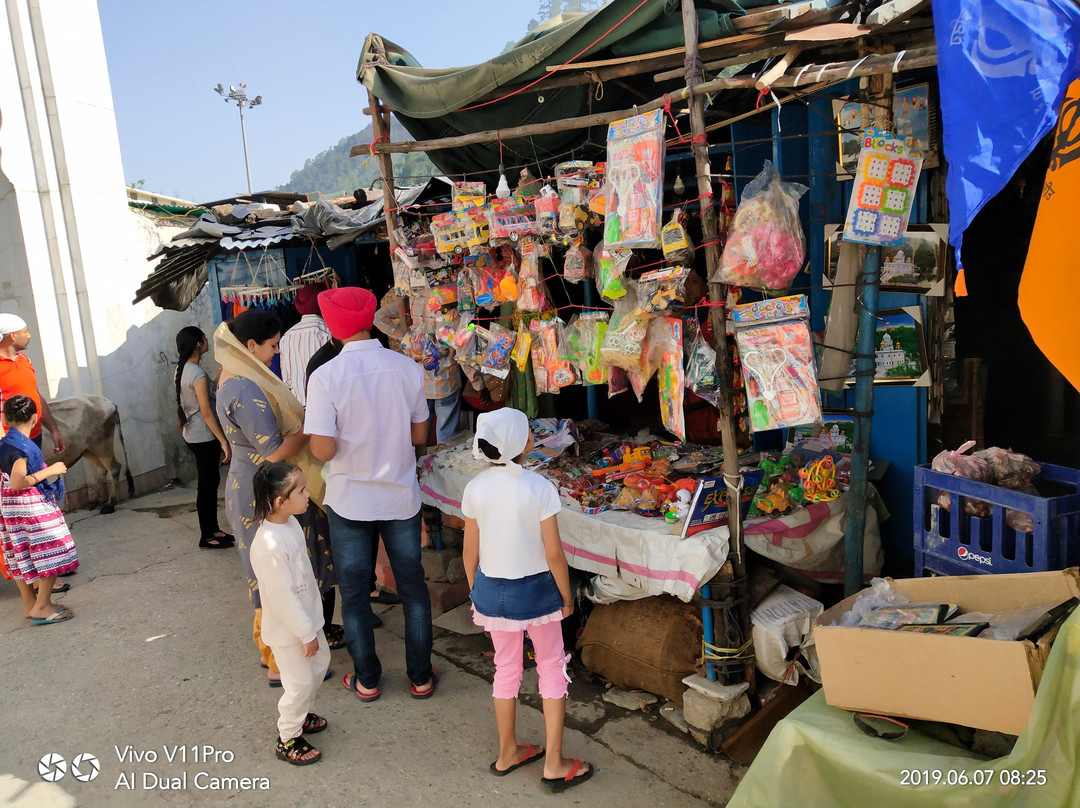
(510, 666)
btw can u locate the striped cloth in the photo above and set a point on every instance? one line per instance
(298, 345)
(36, 540)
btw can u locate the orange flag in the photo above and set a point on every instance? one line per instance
(1050, 273)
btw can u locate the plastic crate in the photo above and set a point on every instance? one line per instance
(951, 542)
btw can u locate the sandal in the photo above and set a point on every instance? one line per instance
(214, 544)
(426, 694)
(314, 723)
(293, 751)
(573, 778)
(351, 684)
(532, 754)
(335, 636)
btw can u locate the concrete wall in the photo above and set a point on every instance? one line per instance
(72, 253)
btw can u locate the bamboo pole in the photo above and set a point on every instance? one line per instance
(710, 238)
(380, 127)
(841, 71)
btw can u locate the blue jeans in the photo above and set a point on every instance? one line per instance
(445, 413)
(352, 542)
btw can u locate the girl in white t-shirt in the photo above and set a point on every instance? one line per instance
(292, 613)
(519, 582)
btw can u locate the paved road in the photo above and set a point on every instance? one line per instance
(158, 679)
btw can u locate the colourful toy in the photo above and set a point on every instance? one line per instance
(610, 266)
(577, 263)
(774, 502)
(511, 219)
(777, 359)
(884, 190)
(819, 480)
(676, 243)
(666, 340)
(766, 246)
(532, 295)
(632, 198)
(661, 290)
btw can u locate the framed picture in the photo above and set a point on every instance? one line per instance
(836, 433)
(915, 118)
(899, 349)
(849, 116)
(917, 266)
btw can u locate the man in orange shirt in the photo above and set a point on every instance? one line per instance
(17, 376)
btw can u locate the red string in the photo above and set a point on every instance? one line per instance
(560, 67)
(761, 96)
(667, 109)
(383, 138)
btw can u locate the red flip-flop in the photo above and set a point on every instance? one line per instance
(426, 694)
(572, 778)
(351, 685)
(532, 754)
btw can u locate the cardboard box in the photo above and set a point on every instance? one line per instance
(981, 683)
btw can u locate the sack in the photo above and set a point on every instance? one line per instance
(650, 644)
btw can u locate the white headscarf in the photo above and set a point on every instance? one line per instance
(10, 323)
(507, 430)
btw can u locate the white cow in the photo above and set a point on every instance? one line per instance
(89, 425)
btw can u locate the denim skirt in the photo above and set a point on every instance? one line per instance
(516, 598)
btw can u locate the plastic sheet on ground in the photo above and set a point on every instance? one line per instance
(817, 756)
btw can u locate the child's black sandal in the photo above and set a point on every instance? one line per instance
(293, 751)
(314, 723)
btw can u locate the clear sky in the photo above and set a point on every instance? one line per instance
(166, 58)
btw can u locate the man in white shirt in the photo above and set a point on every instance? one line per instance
(366, 410)
(300, 342)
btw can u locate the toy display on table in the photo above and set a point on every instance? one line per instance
(777, 354)
(577, 263)
(766, 245)
(633, 197)
(676, 242)
(661, 291)
(884, 190)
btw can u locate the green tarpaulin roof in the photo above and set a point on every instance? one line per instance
(432, 103)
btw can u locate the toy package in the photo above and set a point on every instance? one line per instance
(404, 266)
(468, 195)
(449, 232)
(610, 267)
(623, 343)
(392, 318)
(635, 181)
(766, 246)
(675, 241)
(466, 289)
(777, 354)
(511, 219)
(665, 343)
(551, 369)
(532, 293)
(701, 375)
(522, 345)
(578, 181)
(498, 282)
(577, 263)
(884, 190)
(661, 291)
(546, 206)
(497, 359)
(584, 335)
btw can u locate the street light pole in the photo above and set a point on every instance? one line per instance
(238, 94)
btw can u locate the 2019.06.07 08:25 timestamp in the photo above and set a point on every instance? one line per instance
(974, 777)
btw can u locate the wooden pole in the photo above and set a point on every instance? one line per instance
(794, 78)
(380, 129)
(711, 243)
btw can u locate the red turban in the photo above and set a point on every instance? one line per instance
(307, 299)
(347, 311)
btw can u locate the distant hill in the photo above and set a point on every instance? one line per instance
(333, 173)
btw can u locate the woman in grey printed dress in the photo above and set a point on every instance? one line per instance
(261, 420)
